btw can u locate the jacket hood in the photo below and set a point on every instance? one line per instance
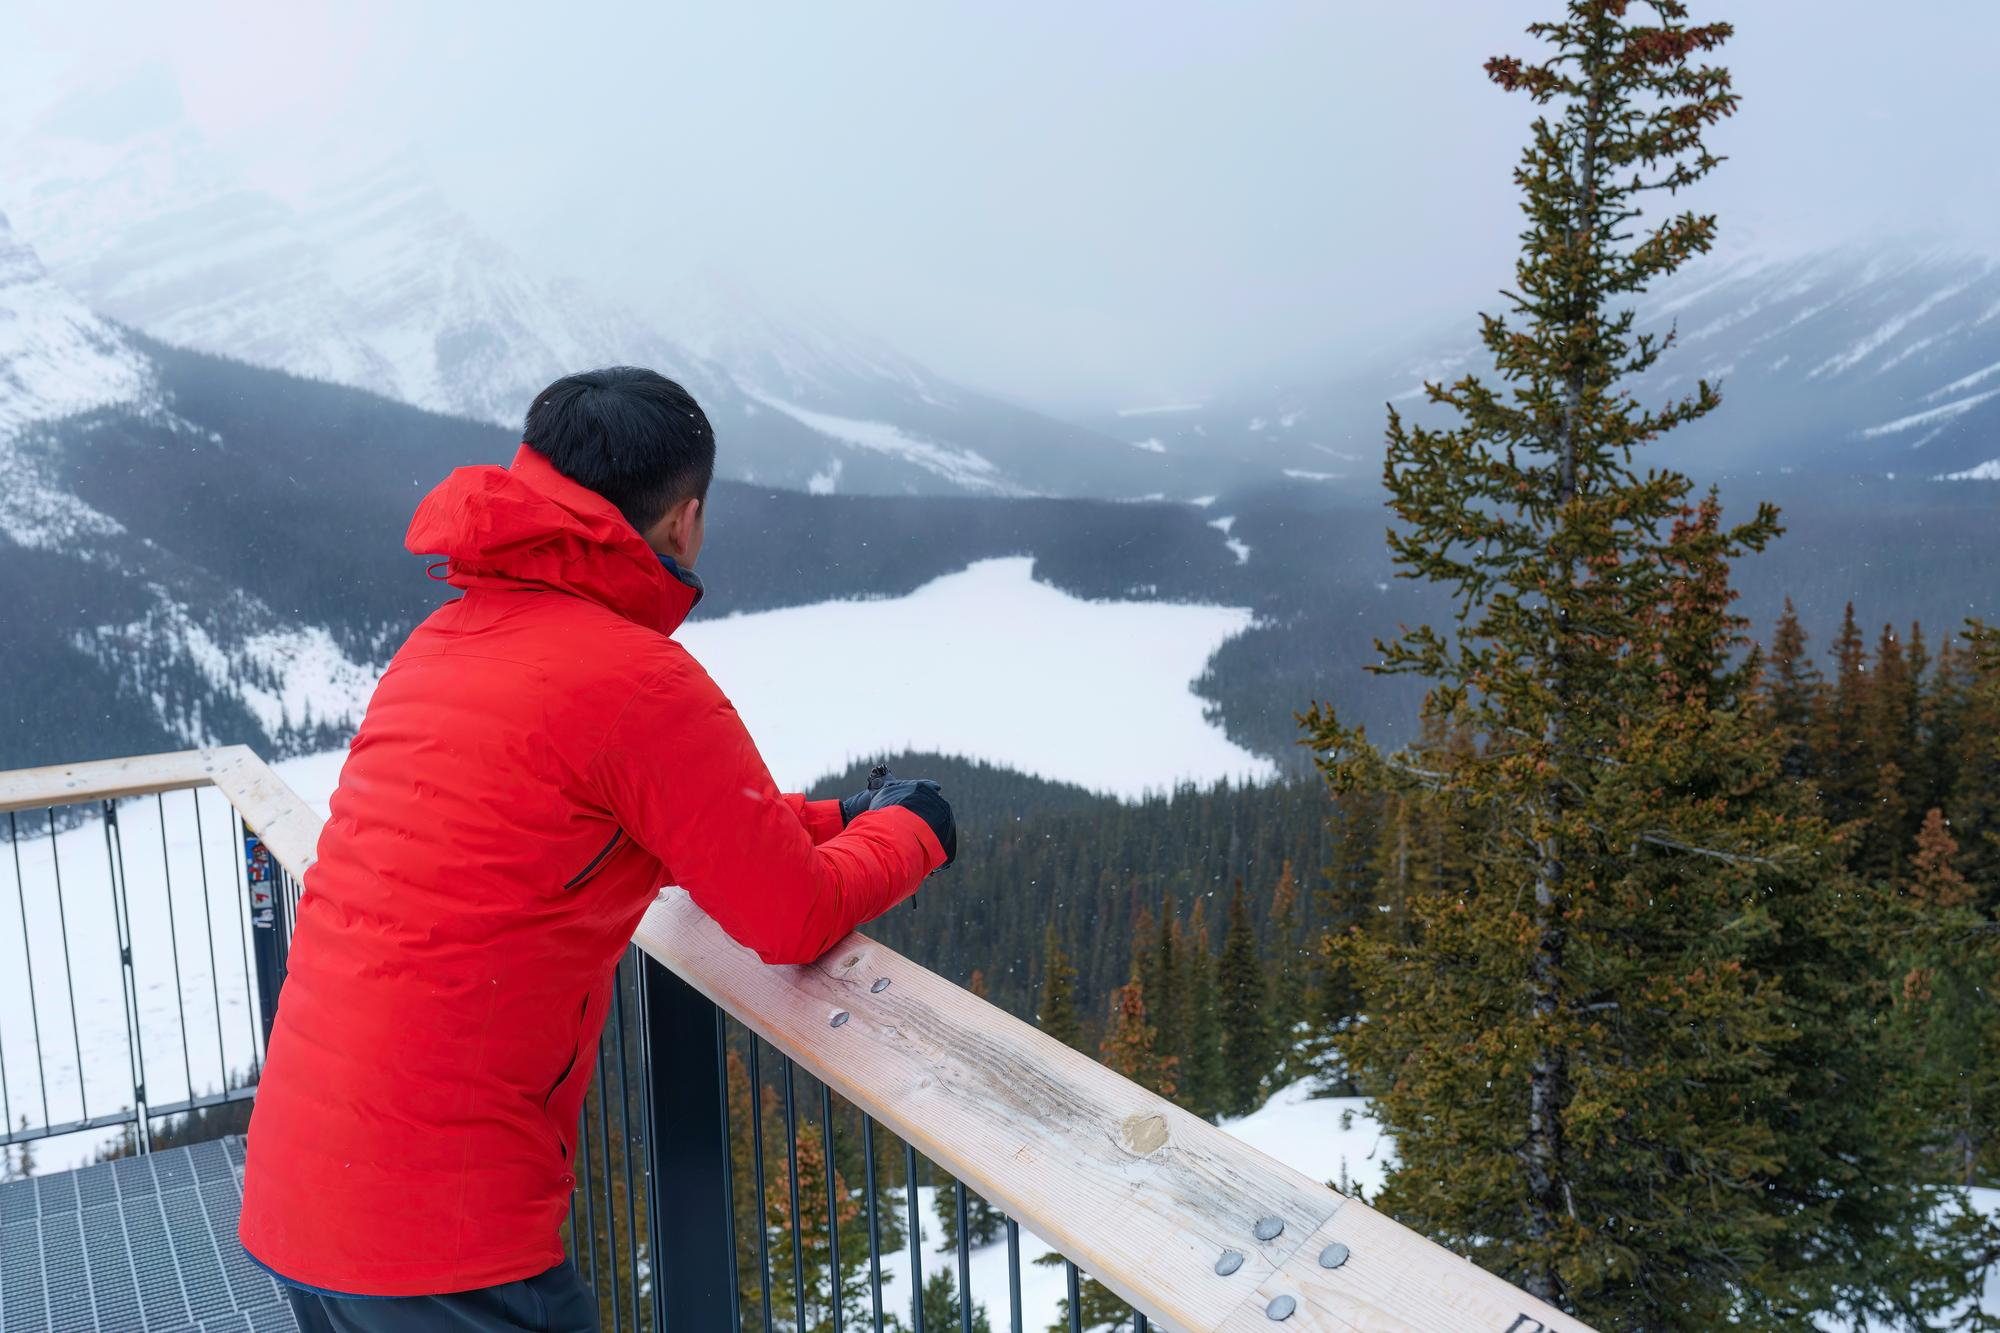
(529, 526)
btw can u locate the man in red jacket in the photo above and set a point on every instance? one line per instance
(538, 759)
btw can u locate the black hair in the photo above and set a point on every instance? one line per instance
(634, 436)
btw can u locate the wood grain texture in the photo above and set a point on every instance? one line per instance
(1142, 1195)
(102, 780)
(289, 827)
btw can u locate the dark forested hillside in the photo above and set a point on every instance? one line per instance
(1032, 853)
(261, 501)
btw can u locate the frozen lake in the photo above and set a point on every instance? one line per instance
(986, 663)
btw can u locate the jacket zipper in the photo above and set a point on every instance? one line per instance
(569, 1067)
(576, 880)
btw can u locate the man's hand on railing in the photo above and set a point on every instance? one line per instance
(920, 796)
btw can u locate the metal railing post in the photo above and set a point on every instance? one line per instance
(264, 879)
(687, 1158)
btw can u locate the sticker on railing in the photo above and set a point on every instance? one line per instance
(261, 869)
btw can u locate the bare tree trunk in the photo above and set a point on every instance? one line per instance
(1548, 1076)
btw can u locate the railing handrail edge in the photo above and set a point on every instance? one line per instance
(1017, 1123)
(1139, 1193)
(287, 824)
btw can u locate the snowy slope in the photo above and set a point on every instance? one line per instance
(378, 281)
(57, 358)
(1866, 359)
(60, 362)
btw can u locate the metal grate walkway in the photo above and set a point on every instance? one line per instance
(141, 1244)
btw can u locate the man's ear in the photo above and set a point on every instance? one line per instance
(674, 534)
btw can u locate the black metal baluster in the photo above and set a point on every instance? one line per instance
(174, 942)
(763, 1211)
(241, 876)
(728, 1171)
(574, 1234)
(1075, 1300)
(6, 1096)
(208, 925)
(625, 1127)
(832, 1204)
(121, 920)
(650, 1126)
(1014, 1273)
(589, 1204)
(874, 1221)
(69, 980)
(916, 1237)
(610, 1191)
(28, 956)
(964, 1263)
(792, 1183)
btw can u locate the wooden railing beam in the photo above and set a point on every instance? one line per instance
(289, 826)
(1140, 1194)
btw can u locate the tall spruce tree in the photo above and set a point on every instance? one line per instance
(1291, 970)
(1792, 688)
(1201, 1076)
(1588, 1052)
(1166, 995)
(1948, 1000)
(1974, 805)
(1841, 730)
(1056, 1011)
(1247, 1047)
(1131, 1043)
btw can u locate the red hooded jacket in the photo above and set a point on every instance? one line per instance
(539, 758)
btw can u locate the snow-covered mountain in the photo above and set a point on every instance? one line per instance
(1864, 360)
(197, 550)
(106, 629)
(379, 282)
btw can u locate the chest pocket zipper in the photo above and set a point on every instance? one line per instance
(597, 861)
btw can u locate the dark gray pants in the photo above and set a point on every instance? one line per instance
(551, 1302)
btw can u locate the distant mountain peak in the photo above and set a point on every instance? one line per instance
(796, 349)
(57, 356)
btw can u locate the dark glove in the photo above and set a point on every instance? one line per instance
(850, 806)
(925, 799)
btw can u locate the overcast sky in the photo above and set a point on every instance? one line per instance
(1074, 203)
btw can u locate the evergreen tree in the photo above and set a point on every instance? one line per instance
(1840, 734)
(1348, 897)
(1131, 1043)
(1950, 1000)
(983, 1222)
(1166, 997)
(1291, 967)
(1056, 1013)
(1202, 1078)
(1974, 805)
(1247, 1055)
(941, 1309)
(1792, 688)
(22, 1166)
(1599, 1083)
(1888, 749)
